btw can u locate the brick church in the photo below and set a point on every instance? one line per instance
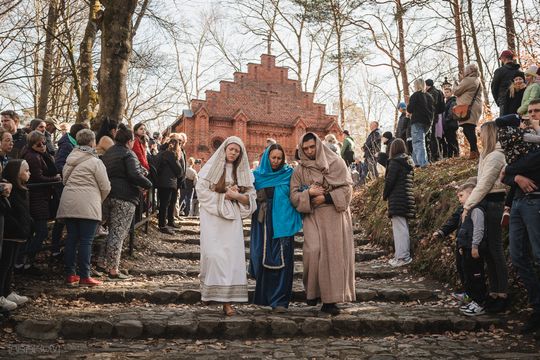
(262, 103)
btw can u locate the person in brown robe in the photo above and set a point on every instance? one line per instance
(321, 189)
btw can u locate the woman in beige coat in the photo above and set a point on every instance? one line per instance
(490, 193)
(86, 186)
(468, 89)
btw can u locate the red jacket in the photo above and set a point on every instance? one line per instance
(140, 150)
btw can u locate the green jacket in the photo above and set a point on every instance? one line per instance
(348, 145)
(531, 92)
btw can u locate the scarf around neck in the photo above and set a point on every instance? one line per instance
(286, 221)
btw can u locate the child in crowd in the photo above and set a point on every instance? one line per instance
(470, 243)
(398, 191)
(17, 227)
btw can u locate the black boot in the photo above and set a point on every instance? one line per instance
(331, 309)
(311, 302)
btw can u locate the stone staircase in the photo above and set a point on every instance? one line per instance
(162, 301)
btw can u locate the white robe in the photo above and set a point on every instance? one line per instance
(223, 263)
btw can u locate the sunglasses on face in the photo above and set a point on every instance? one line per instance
(41, 144)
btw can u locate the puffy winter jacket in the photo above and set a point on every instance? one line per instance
(65, 147)
(85, 177)
(398, 187)
(502, 79)
(42, 170)
(125, 174)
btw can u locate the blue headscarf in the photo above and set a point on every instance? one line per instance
(286, 220)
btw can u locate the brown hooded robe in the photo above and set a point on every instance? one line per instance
(328, 237)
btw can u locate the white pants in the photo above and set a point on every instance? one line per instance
(400, 229)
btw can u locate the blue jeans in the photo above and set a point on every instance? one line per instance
(419, 154)
(80, 234)
(525, 245)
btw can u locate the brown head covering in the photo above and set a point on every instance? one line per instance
(328, 168)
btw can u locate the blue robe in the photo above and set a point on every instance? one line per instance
(271, 260)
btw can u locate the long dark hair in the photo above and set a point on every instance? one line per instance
(398, 147)
(107, 125)
(280, 148)
(12, 171)
(221, 186)
(142, 139)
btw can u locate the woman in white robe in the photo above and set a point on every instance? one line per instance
(226, 196)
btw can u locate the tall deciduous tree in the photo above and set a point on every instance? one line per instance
(116, 46)
(88, 99)
(509, 22)
(46, 73)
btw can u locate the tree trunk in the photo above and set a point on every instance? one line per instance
(46, 73)
(510, 28)
(402, 56)
(86, 72)
(115, 53)
(456, 9)
(477, 52)
(336, 16)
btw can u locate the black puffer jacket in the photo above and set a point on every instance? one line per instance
(169, 170)
(449, 122)
(502, 79)
(398, 187)
(125, 174)
(42, 171)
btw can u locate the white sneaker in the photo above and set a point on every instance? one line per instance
(17, 299)
(401, 262)
(473, 309)
(7, 305)
(392, 262)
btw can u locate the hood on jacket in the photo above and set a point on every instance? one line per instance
(404, 160)
(78, 155)
(512, 66)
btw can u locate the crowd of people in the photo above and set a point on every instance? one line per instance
(90, 183)
(118, 167)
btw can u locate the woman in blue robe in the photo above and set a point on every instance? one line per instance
(273, 226)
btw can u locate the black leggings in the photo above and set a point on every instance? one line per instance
(9, 251)
(167, 202)
(470, 134)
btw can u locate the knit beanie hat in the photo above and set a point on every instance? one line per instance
(429, 82)
(520, 74)
(387, 134)
(532, 70)
(402, 105)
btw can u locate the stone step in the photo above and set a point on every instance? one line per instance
(195, 255)
(362, 272)
(194, 230)
(298, 242)
(250, 322)
(187, 291)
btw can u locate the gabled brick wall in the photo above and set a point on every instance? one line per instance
(259, 104)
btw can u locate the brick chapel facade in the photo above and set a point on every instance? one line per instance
(262, 103)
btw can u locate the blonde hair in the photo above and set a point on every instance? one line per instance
(470, 68)
(488, 136)
(419, 85)
(330, 138)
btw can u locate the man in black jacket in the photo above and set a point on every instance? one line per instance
(438, 110)
(503, 77)
(372, 147)
(525, 222)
